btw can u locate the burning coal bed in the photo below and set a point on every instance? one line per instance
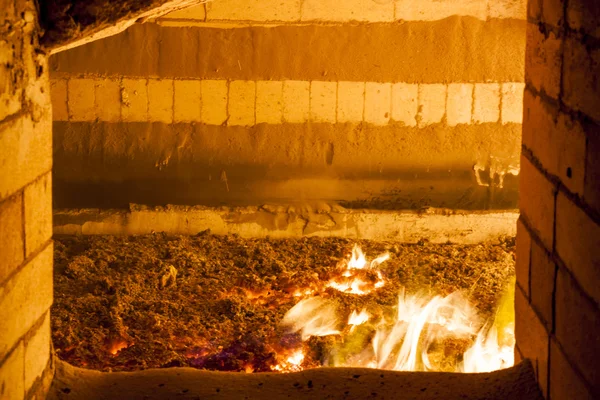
(262, 305)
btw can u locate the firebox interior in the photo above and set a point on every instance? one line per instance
(307, 198)
(296, 132)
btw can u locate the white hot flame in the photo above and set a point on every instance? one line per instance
(358, 318)
(487, 354)
(437, 317)
(403, 342)
(292, 364)
(314, 316)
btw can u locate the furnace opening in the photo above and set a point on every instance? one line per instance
(283, 141)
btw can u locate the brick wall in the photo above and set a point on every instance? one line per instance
(25, 206)
(247, 103)
(399, 104)
(558, 234)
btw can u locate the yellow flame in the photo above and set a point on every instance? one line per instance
(353, 284)
(359, 261)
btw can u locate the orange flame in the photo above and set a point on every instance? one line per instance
(115, 346)
(351, 281)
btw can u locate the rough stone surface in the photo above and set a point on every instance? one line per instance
(577, 324)
(543, 277)
(26, 152)
(254, 10)
(459, 104)
(581, 89)
(492, 51)
(273, 163)
(351, 101)
(532, 337)
(576, 233)
(517, 383)
(543, 61)
(242, 98)
(432, 104)
(24, 299)
(291, 221)
(486, 102)
(537, 201)
(405, 98)
(25, 159)
(352, 10)
(512, 102)
(296, 101)
(188, 101)
(269, 102)
(107, 100)
(160, 100)
(65, 22)
(59, 100)
(565, 382)
(556, 140)
(12, 385)
(523, 257)
(134, 100)
(377, 103)
(323, 100)
(214, 99)
(37, 351)
(38, 213)
(81, 99)
(12, 242)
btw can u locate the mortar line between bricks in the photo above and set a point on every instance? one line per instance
(565, 32)
(561, 265)
(573, 366)
(22, 188)
(549, 363)
(24, 221)
(552, 327)
(26, 262)
(579, 116)
(522, 219)
(30, 394)
(538, 315)
(26, 336)
(555, 180)
(562, 55)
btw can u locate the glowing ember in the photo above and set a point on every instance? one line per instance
(292, 363)
(359, 276)
(115, 346)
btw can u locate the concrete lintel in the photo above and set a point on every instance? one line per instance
(287, 221)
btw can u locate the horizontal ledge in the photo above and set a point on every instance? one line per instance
(289, 221)
(516, 383)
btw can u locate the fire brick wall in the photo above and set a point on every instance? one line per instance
(397, 104)
(25, 206)
(558, 234)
